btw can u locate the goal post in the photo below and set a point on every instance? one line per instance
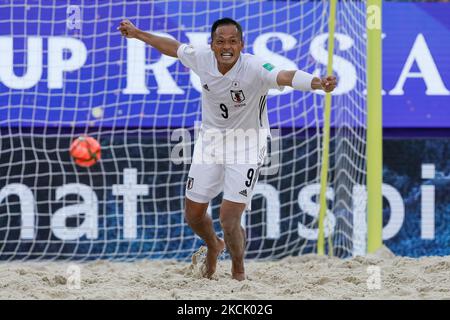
(369, 231)
(374, 126)
(326, 135)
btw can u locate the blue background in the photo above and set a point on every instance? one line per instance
(402, 24)
(161, 236)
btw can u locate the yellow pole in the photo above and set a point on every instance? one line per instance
(326, 134)
(374, 127)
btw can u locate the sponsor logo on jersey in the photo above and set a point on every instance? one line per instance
(237, 95)
(205, 86)
(243, 192)
(268, 66)
(190, 183)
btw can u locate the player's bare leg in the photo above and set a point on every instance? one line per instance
(234, 234)
(202, 224)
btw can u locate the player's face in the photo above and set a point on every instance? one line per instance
(227, 45)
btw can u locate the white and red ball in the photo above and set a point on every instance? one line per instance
(86, 151)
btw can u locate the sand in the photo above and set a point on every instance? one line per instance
(303, 277)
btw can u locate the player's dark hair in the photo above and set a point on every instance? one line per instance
(224, 22)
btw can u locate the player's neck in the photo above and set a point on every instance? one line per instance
(223, 69)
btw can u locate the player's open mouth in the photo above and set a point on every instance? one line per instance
(226, 55)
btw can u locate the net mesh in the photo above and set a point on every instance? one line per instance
(65, 71)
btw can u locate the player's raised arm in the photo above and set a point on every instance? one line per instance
(164, 45)
(304, 81)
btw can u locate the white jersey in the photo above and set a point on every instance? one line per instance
(232, 102)
(236, 100)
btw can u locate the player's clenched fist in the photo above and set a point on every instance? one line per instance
(127, 29)
(328, 83)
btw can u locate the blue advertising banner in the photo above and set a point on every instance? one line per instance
(56, 69)
(68, 67)
(416, 65)
(82, 216)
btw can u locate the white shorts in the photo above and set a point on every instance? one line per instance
(206, 181)
(237, 180)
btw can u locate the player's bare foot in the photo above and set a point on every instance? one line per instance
(211, 258)
(238, 273)
(239, 276)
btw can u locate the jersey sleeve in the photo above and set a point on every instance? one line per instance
(267, 73)
(188, 54)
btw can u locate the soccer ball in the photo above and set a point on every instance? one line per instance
(85, 150)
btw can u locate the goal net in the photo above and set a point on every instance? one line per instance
(65, 71)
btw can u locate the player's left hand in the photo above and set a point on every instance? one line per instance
(328, 83)
(127, 29)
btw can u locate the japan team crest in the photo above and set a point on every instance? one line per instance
(237, 95)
